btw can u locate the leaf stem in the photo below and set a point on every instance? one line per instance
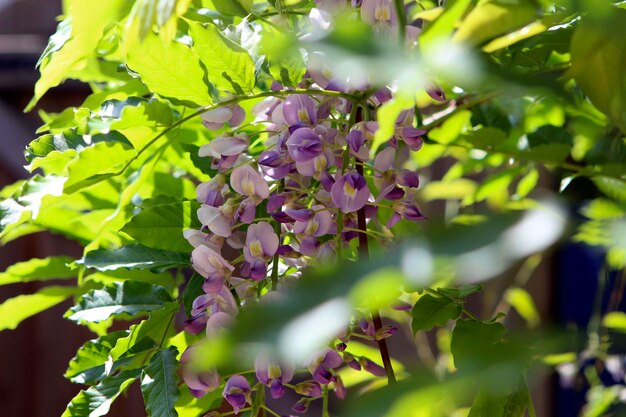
(378, 324)
(401, 21)
(325, 402)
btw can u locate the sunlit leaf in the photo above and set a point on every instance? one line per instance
(125, 300)
(229, 66)
(134, 257)
(170, 69)
(494, 17)
(88, 366)
(54, 267)
(147, 333)
(14, 310)
(96, 401)
(88, 21)
(522, 301)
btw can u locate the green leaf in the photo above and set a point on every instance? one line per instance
(54, 267)
(165, 279)
(284, 59)
(88, 20)
(527, 183)
(100, 161)
(523, 303)
(615, 320)
(14, 310)
(461, 292)
(445, 24)
(129, 298)
(430, 311)
(473, 342)
(192, 291)
(233, 7)
(387, 116)
(162, 226)
(159, 384)
(134, 257)
(450, 130)
(57, 40)
(505, 402)
(96, 401)
(229, 66)
(612, 187)
(494, 17)
(52, 148)
(88, 366)
(146, 333)
(190, 406)
(599, 64)
(170, 69)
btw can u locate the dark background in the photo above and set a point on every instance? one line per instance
(34, 357)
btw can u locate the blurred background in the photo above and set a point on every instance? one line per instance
(34, 357)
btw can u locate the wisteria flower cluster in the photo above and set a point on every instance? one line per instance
(316, 186)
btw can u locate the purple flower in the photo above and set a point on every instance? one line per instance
(301, 406)
(299, 109)
(379, 12)
(319, 225)
(272, 374)
(309, 388)
(385, 332)
(276, 202)
(210, 192)
(219, 220)
(351, 362)
(225, 146)
(408, 178)
(261, 242)
(247, 181)
(350, 192)
(304, 144)
(211, 265)
(372, 367)
(215, 119)
(323, 363)
(218, 321)
(237, 392)
(436, 92)
(199, 383)
(412, 137)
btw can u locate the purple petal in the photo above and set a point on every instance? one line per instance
(437, 93)
(261, 241)
(209, 263)
(304, 144)
(409, 179)
(245, 180)
(301, 215)
(350, 192)
(372, 367)
(301, 406)
(277, 389)
(299, 108)
(309, 388)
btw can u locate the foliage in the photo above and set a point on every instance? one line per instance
(174, 161)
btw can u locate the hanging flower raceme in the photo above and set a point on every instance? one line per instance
(290, 190)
